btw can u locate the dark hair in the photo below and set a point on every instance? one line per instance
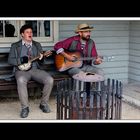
(24, 27)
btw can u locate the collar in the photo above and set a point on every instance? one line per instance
(26, 44)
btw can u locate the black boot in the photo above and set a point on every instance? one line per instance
(45, 108)
(24, 112)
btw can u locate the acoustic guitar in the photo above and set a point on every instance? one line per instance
(62, 64)
(27, 66)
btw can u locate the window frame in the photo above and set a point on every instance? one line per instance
(45, 41)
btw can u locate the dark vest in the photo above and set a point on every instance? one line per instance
(74, 43)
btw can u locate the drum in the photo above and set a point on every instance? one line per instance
(88, 77)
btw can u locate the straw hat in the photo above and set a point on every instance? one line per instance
(83, 27)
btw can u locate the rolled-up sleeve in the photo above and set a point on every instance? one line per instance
(60, 50)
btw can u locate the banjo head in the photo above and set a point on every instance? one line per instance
(25, 66)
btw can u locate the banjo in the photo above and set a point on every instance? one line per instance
(27, 66)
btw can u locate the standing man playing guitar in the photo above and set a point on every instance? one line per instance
(83, 44)
(21, 53)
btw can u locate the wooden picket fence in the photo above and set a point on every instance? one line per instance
(100, 101)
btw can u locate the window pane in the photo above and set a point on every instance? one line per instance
(40, 28)
(7, 28)
(1, 28)
(47, 28)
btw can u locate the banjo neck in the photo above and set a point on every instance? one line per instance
(33, 59)
(46, 53)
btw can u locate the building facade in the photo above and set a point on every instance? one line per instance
(117, 40)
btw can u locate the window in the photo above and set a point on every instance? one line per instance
(7, 28)
(40, 28)
(44, 31)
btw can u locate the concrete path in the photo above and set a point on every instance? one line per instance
(10, 110)
(131, 94)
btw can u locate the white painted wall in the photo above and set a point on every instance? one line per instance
(134, 52)
(111, 38)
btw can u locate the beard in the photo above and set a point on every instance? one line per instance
(86, 37)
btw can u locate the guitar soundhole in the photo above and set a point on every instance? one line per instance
(75, 59)
(90, 73)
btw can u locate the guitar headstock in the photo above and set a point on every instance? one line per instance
(108, 58)
(103, 59)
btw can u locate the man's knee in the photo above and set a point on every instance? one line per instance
(21, 80)
(49, 80)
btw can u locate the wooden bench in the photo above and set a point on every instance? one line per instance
(9, 84)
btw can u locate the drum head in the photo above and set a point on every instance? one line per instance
(88, 77)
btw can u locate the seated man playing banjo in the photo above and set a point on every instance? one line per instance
(69, 49)
(22, 56)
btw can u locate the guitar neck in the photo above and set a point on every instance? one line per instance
(89, 58)
(104, 58)
(86, 58)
